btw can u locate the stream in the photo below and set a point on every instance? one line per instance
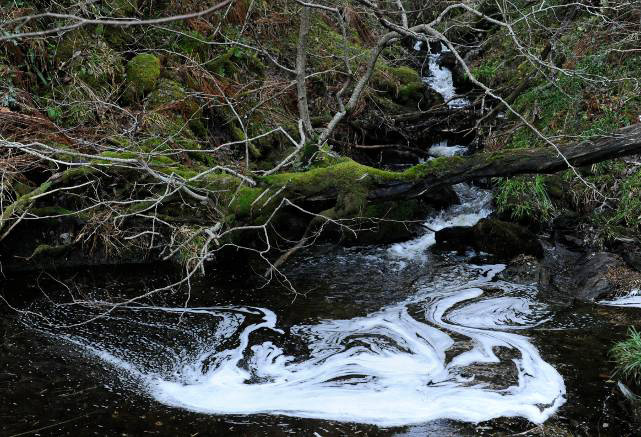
(387, 340)
(394, 340)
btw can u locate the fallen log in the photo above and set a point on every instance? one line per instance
(325, 184)
(513, 162)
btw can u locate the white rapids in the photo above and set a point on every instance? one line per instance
(475, 205)
(631, 300)
(451, 350)
(443, 148)
(440, 80)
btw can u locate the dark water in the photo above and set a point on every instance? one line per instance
(377, 341)
(49, 386)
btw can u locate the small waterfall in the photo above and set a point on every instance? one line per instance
(440, 79)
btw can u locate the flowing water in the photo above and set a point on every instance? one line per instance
(380, 338)
(389, 367)
(440, 78)
(392, 340)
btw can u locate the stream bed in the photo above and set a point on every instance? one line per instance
(390, 340)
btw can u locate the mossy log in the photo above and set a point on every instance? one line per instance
(324, 184)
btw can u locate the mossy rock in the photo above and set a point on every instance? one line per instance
(143, 72)
(235, 61)
(505, 239)
(193, 44)
(171, 95)
(168, 131)
(403, 85)
(70, 43)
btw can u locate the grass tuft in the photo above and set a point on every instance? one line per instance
(627, 356)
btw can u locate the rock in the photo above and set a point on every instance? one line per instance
(591, 275)
(456, 238)
(587, 276)
(441, 198)
(505, 240)
(142, 73)
(447, 60)
(631, 254)
(524, 269)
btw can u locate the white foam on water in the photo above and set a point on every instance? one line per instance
(388, 368)
(443, 148)
(475, 205)
(631, 300)
(435, 355)
(440, 80)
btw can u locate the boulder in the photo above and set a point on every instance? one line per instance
(456, 238)
(505, 240)
(441, 198)
(447, 60)
(142, 73)
(591, 275)
(502, 239)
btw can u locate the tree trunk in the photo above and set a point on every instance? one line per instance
(301, 62)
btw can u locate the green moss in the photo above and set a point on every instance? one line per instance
(46, 250)
(21, 203)
(349, 173)
(392, 79)
(72, 42)
(404, 74)
(167, 131)
(410, 92)
(242, 202)
(433, 167)
(77, 173)
(142, 73)
(234, 61)
(193, 44)
(169, 92)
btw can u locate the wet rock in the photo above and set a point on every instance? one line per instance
(591, 275)
(586, 276)
(524, 269)
(505, 240)
(632, 256)
(456, 238)
(447, 60)
(502, 239)
(441, 198)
